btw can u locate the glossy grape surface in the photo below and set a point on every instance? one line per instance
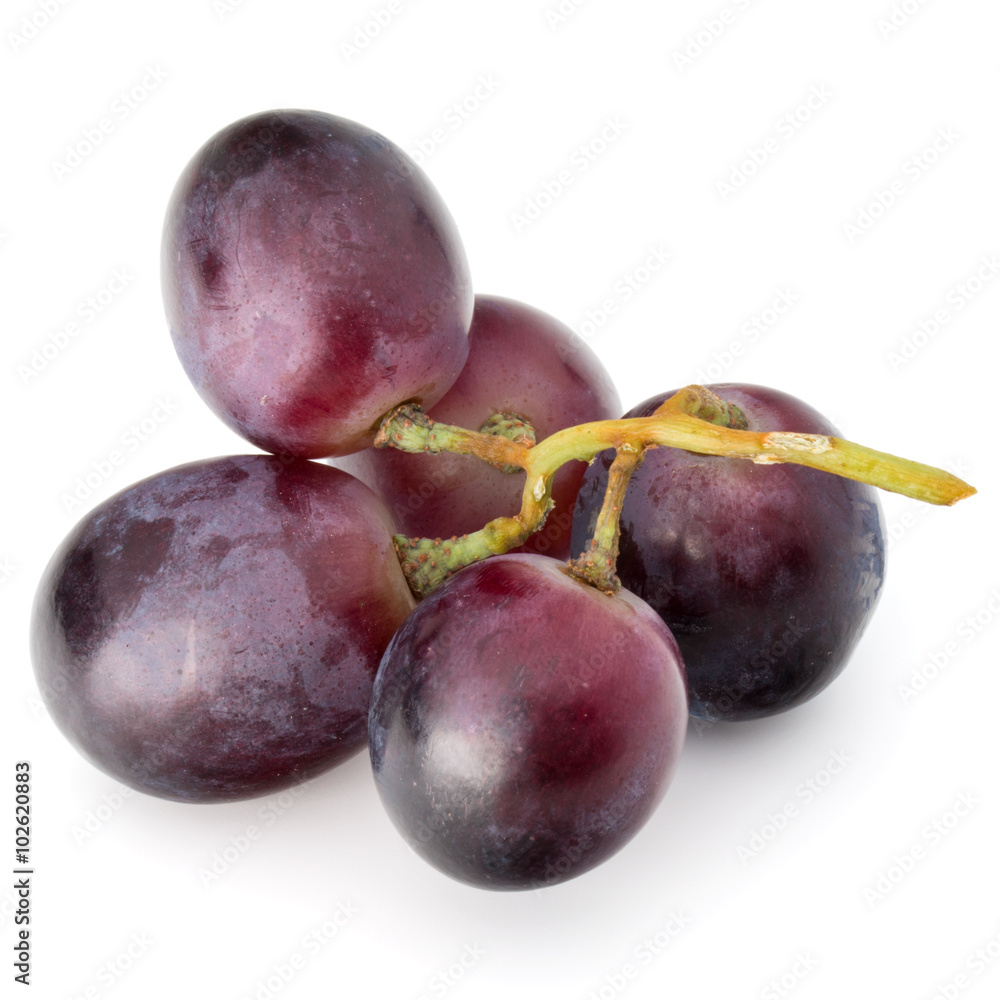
(521, 361)
(213, 632)
(313, 279)
(525, 725)
(767, 575)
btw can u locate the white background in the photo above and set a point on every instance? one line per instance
(121, 906)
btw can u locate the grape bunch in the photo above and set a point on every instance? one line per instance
(514, 596)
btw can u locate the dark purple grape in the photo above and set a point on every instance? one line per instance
(767, 575)
(313, 279)
(213, 632)
(521, 361)
(524, 725)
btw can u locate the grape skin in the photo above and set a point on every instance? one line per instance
(767, 575)
(212, 633)
(521, 361)
(313, 279)
(524, 725)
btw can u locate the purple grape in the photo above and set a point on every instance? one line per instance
(767, 575)
(313, 279)
(213, 632)
(524, 725)
(521, 361)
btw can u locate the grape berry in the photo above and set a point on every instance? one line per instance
(524, 725)
(213, 632)
(313, 279)
(521, 362)
(767, 576)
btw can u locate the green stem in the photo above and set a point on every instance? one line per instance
(817, 451)
(408, 428)
(674, 425)
(597, 564)
(428, 562)
(513, 427)
(704, 404)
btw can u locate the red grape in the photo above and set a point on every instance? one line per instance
(524, 725)
(767, 575)
(521, 361)
(313, 279)
(213, 632)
